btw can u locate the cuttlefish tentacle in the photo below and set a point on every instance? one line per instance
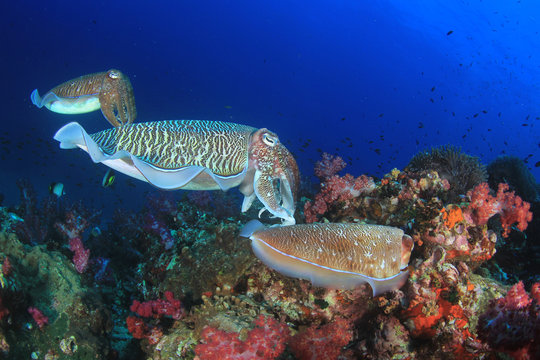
(196, 155)
(111, 91)
(274, 176)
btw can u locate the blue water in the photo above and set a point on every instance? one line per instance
(374, 82)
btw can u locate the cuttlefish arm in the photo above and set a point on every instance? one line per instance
(272, 176)
(117, 99)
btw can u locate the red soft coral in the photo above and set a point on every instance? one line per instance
(137, 327)
(158, 308)
(324, 343)
(512, 209)
(265, 341)
(510, 206)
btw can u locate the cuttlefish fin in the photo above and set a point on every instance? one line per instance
(166, 179)
(36, 99)
(381, 286)
(70, 136)
(251, 227)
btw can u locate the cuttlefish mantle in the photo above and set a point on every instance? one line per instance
(335, 255)
(197, 155)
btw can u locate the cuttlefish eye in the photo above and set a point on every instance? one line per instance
(269, 140)
(113, 74)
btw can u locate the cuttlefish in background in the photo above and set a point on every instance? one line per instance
(197, 155)
(335, 255)
(110, 90)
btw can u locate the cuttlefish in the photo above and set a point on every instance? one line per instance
(109, 91)
(197, 155)
(335, 255)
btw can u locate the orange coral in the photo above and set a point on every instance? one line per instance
(452, 216)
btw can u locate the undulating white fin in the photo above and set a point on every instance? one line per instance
(225, 183)
(70, 136)
(251, 227)
(36, 99)
(381, 286)
(166, 179)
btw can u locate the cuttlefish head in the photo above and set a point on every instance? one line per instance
(272, 176)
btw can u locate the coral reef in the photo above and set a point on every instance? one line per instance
(174, 280)
(462, 171)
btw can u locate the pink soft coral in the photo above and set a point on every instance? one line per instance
(510, 206)
(265, 341)
(335, 188)
(80, 254)
(328, 166)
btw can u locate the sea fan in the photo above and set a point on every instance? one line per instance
(462, 171)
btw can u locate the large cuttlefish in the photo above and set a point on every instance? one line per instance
(335, 255)
(197, 155)
(110, 90)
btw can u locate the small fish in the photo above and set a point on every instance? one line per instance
(450, 32)
(57, 188)
(228, 107)
(108, 179)
(15, 217)
(96, 231)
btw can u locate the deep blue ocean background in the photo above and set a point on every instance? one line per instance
(374, 82)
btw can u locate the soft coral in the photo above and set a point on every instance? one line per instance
(510, 206)
(325, 342)
(265, 341)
